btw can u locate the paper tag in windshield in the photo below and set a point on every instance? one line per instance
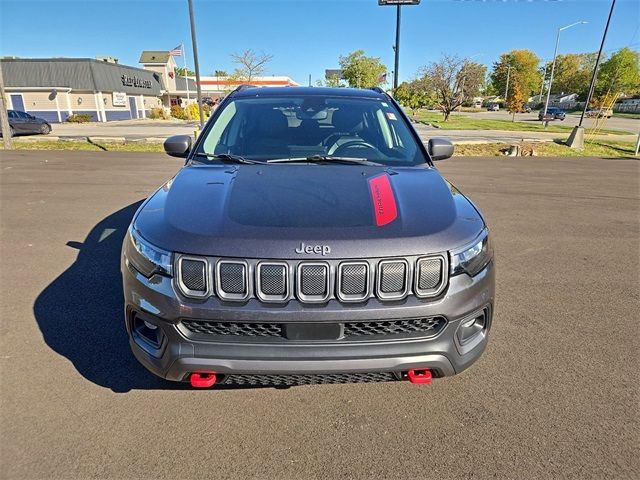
(391, 116)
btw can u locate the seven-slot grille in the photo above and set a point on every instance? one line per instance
(312, 281)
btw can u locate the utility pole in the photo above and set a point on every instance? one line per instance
(397, 49)
(576, 139)
(595, 68)
(195, 62)
(4, 118)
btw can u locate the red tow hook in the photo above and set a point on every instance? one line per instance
(419, 376)
(203, 379)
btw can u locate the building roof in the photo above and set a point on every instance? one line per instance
(154, 56)
(266, 81)
(79, 74)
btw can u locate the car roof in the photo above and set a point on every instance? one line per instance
(250, 91)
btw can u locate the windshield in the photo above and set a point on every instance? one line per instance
(273, 128)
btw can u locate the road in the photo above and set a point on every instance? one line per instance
(129, 129)
(624, 124)
(555, 395)
(159, 129)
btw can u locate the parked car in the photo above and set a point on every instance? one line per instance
(24, 123)
(294, 247)
(553, 113)
(208, 101)
(493, 107)
(527, 109)
(600, 113)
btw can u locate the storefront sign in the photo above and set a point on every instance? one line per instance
(129, 81)
(119, 99)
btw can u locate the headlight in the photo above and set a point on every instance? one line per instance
(474, 257)
(144, 257)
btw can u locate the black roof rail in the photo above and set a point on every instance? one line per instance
(244, 86)
(377, 89)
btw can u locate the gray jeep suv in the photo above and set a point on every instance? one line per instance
(307, 239)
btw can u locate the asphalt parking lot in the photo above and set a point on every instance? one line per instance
(555, 395)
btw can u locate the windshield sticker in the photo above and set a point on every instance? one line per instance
(385, 104)
(391, 116)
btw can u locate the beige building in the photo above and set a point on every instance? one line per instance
(55, 88)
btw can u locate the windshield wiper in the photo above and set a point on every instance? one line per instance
(328, 159)
(226, 157)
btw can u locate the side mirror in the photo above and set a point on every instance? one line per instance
(178, 146)
(439, 148)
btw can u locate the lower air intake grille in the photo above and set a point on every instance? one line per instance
(193, 274)
(432, 326)
(292, 380)
(235, 329)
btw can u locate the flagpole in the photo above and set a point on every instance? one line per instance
(186, 75)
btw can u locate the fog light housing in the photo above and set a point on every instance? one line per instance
(146, 334)
(472, 330)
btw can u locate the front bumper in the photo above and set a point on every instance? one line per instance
(176, 356)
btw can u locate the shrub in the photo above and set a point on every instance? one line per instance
(178, 112)
(79, 118)
(192, 112)
(158, 113)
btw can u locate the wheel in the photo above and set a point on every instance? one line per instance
(45, 129)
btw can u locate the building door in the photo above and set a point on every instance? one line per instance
(132, 107)
(17, 102)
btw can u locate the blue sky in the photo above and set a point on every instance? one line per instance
(307, 36)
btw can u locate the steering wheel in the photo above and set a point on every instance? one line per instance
(351, 144)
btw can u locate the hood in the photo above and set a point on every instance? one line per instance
(293, 211)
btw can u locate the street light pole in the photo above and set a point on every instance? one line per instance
(553, 67)
(506, 90)
(397, 49)
(195, 62)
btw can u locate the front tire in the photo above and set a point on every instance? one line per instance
(45, 129)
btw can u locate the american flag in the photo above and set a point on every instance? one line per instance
(382, 78)
(176, 52)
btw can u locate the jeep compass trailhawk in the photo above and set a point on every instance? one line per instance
(307, 239)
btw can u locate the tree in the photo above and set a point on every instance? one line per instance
(453, 81)
(524, 65)
(330, 81)
(250, 64)
(516, 98)
(183, 72)
(220, 73)
(362, 71)
(572, 73)
(414, 95)
(619, 74)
